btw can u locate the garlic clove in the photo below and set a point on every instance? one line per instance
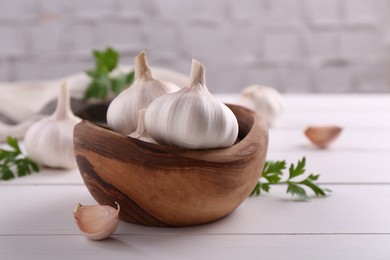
(122, 114)
(322, 136)
(97, 222)
(140, 133)
(49, 141)
(266, 101)
(192, 118)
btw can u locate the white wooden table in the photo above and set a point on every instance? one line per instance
(36, 219)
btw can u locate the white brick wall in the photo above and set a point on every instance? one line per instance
(293, 45)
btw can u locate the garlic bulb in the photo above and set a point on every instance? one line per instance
(191, 118)
(97, 222)
(50, 140)
(140, 133)
(122, 114)
(266, 101)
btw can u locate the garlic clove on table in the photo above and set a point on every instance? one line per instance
(266, 101)
(50, 140)
(322, 136)
(97, 222)
(122, 114)
(191, 117)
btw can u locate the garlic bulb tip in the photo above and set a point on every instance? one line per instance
(197, 74)
(142, 69)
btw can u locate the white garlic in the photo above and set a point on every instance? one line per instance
(50, 140)
(266, 101)
(96, 222)
(122, 114)
(191, 118)
(140, 133)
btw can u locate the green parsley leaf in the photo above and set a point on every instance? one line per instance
(272, 175)
(6, 173)
(98, 88)
(13, 163)
(106, 60)
(13, 142)
(274, 167)
(257, 190)
(102, 84)
(273, 170)
(317, 190)
(300, 169)
(294, 189)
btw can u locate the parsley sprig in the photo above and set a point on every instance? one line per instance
(272, 175)
(102, 84)
(13, 163)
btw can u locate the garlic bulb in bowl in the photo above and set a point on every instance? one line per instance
(266, 101)
(50, 140)
(191, 117)
(122, 114)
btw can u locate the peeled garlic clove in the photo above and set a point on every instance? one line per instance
(191, 118)
(50, 140)
(122, 114)
(97, 221)
(140, 133)
(322, 136)
(266, 101)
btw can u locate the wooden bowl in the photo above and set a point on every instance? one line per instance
(159, 185)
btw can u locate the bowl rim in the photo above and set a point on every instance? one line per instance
(257, 123)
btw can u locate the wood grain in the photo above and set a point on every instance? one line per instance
(160, 185)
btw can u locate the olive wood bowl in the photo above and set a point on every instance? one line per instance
(158, 185)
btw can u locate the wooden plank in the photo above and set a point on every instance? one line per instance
(350, 139)
(47, 210)
(47, 176)
(363, 158)
(361, 120)
(355, 167)
(344, 110)
(338, 101)
(340, 166)
(334, 165)
(321, 247)
(346, 102)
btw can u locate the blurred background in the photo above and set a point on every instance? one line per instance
(332, 46)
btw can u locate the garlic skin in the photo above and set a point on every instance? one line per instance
(49, 141)
(266, 101)
(191, 118)
(122, 114)
(140, 133)
(96, 222)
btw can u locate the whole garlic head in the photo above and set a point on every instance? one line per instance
(122, 114)
(191, 118)
(50, 140)
(266, 101)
